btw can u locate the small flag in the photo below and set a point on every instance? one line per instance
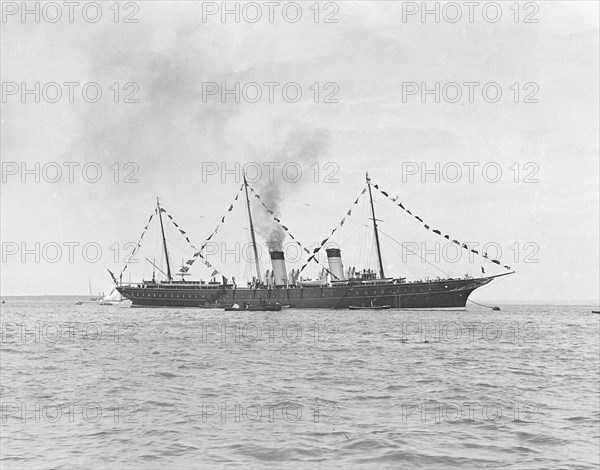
(482, 270)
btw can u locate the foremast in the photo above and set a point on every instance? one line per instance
(380, 261)
(162, 231)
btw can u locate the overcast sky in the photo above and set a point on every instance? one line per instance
(368, 58)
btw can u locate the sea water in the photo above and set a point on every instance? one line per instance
(92, 386)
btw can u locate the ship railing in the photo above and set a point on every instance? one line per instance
(172, 286)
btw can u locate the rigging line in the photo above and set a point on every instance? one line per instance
(160, 210)
(377, 245)
(247, 229)
(312, 256)
(182, 232)
(365, 225)
(185, 250)
(193, 214)
(413, 216)
(388, 236)
(482, 288)
(252, 234)
(335, 214)
(138, 245)
(339, 225)
(481, 305)
(415, 253)
(500, 279)
(356, 222)
(221, 222)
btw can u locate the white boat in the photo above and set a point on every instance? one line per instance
(114, 298)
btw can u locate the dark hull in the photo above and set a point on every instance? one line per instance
(443, 294)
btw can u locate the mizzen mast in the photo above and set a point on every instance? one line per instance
(381, 274)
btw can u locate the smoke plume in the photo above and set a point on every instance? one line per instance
(299, 149)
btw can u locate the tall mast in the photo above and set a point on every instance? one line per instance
(162, 230)
(375, 229)
(252, 232)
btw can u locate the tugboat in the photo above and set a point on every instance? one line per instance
(340, 289)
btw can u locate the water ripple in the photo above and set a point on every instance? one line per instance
(318, 389)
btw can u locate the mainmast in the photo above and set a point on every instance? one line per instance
(375, 229)
(252, 232)
(162, 230)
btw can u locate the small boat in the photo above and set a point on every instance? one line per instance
(496, 308)
(595, 311)
(270, 307)
(92, 298)
(79, 302)
(114, 298)
(372, 307)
